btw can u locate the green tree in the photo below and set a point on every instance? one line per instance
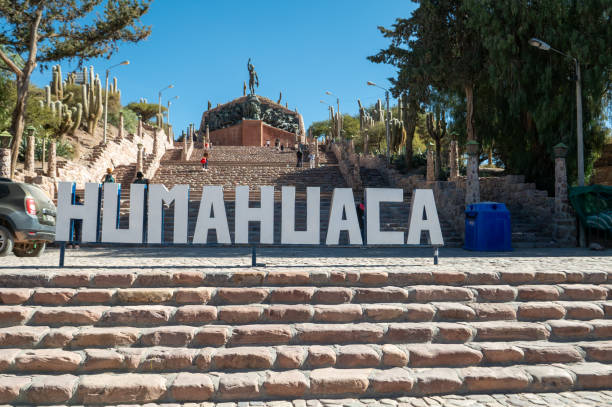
(46, 31)
(130, 119)
(530, 94)
(435, 47)
(317, 129)
(146, 111)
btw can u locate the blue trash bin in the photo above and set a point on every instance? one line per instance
(487, 227)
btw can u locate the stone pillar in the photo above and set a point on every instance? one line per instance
(453, 160)
(564, 227)
(5, 162)
(139, 157)
(155, 142)
(140, 134)
(472, 185)
(29, 158)
(52, 163)
(431, 174)
(120, 125)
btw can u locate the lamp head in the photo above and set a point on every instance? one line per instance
(371, 83)
(534, 42)
(328, 93)
(125, 63)
(170, 86)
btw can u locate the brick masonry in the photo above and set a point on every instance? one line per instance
(251, 133)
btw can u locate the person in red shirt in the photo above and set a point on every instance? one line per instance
(204, 161)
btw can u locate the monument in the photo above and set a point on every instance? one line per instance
(252, 120)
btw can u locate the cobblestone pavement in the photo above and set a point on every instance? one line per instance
(320, 259)
(573, 399)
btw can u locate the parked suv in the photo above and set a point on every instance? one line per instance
(27, 219)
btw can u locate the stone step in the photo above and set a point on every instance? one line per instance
(503, 285)
(152, 358)
(526, 301)
(123, 314)
(111, 388)
(124, 326)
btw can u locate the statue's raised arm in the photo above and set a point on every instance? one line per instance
(253, 79)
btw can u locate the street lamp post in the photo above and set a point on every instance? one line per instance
(160, 92)
(169, 103)
(534, 42)
(106, 97)
(388, 117)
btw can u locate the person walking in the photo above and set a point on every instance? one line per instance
(108, 177)
(204, 161)
(299, 158)
(360, 207)
(77, 225)
(311, 160)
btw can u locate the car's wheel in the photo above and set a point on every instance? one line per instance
(34, 249)
(6, 241)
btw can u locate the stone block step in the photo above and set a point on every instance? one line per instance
(112, 389)
(125, 327)
(532, 301)
(433, 283)
(279, 358)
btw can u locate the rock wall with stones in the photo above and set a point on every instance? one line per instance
(252, 107)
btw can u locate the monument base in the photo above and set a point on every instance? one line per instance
(251, 133)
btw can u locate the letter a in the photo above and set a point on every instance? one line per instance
(423, 200)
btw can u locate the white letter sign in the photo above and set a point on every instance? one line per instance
(313, 215)
(158, 195)
(374, 196)
(212, 200)
(343, 202)
(110, 220)
(423, 200)
(88, 212)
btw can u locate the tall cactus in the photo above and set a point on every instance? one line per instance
(68, 119)
(57, 82)
(92, 101)
(437, 131)
(114, 89)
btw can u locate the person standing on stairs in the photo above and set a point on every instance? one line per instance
(299, 158)
(204, 161)
(140, 179)
(311, 160)
(108, 177)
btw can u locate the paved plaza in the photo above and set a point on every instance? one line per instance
(323, 259)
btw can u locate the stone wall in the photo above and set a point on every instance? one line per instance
(348, 165)
(251, 133)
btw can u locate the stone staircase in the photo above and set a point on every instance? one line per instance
(396, 215)
(107, 337)
(230, 166)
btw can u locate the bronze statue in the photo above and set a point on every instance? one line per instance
(244, 88)
(280, 97)
(209, 105)
(253, 79)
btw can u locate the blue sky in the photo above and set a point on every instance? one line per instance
(302, 48)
